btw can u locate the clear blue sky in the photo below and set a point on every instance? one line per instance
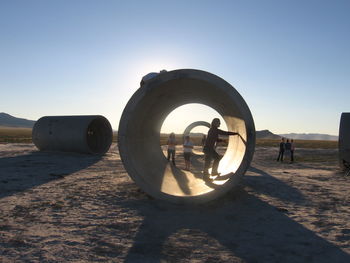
(290, 60)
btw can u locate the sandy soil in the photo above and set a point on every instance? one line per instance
(57, 207)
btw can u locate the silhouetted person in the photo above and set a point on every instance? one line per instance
(281, 152)
(209, 148)
(188, 146)
(292, 148)
(171, 147)
(288, 148)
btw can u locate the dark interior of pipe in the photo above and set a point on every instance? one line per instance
(99, 135)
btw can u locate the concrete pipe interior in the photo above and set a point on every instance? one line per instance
(99, 135)
(139, 135)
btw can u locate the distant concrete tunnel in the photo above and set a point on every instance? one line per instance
(83, 134)
(193, 125)
(344, 139)
(141, 122)
(190, 127)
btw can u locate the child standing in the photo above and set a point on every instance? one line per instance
(188, 146)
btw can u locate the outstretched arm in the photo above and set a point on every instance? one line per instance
(221, 132)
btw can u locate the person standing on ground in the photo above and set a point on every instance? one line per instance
(292, 148)
(281, 152)
(188, 146)
(288, 147)
(209, 148)
(171, 147)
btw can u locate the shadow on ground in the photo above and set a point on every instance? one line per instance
(237, 228)
(23, 172)
(270, 185)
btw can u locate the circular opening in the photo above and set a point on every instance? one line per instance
(99, 135)
(191, 119)
(140, 128)
(194, 121)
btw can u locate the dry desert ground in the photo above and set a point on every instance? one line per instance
(66, 207)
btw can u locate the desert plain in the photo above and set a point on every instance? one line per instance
(67, 207)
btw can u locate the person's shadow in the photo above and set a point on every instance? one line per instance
(243, 227)
(23, 172)
(269, 185)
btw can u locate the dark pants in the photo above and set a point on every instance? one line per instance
(187, 156)
(280, 155)
(292, 156)
(171, 153)
(209, 155)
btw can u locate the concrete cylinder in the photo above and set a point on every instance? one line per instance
(141, 122)
(193, 125)
(83, 134)
(344, 139)
(190, 127)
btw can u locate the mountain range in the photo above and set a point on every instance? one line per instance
(7, 120)
(310, 136)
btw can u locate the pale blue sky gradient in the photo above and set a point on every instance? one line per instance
(290, 60)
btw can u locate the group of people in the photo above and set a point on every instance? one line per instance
(286, 149)
(187, 145)
(208, 142)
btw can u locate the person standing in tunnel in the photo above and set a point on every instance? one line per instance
(209, 148)
(171, 147)
(188, 146)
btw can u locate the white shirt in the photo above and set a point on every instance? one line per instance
(188, 149)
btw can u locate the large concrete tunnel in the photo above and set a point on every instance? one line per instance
(83, 134)
(344, 139)
(141, 122)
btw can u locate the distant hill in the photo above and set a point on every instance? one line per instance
(310, 136)
(266, 134)
(10, 121)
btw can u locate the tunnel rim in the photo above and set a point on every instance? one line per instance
(108, 132)
(155, 83)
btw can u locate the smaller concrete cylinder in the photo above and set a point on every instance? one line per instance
(84, 134)
(344, 140)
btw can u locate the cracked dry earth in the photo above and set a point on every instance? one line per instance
(57, 207)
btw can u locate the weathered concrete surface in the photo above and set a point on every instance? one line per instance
(139, 135)
(84, 134)
(344, 139)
